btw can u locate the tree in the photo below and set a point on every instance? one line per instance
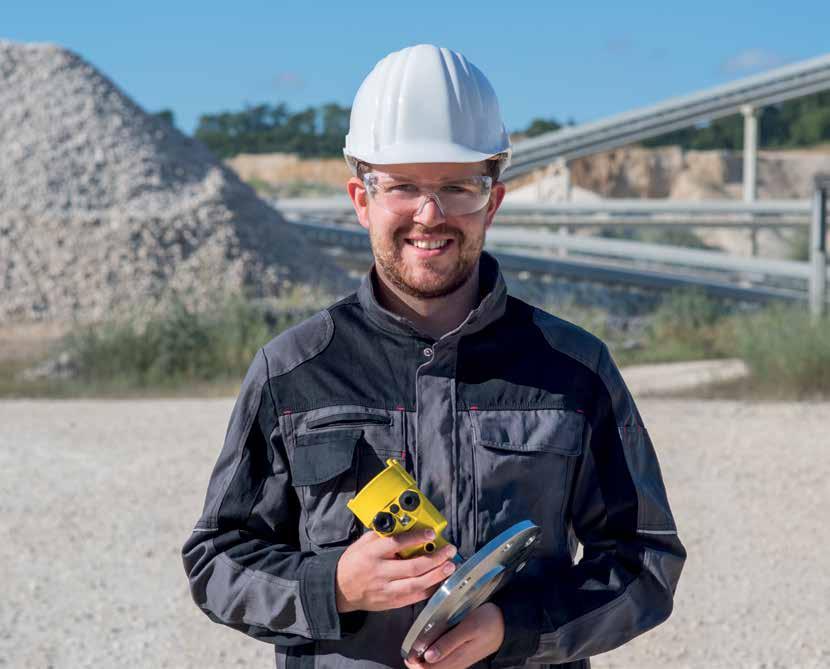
(539, 126)
(791, 124)
(311, 132)
(167, 116)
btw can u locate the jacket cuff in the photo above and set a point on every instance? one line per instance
(522, 621)
(319, 599)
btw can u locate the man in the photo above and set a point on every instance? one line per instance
(501, 412)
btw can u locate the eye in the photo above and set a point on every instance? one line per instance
(402, 188)
(455, 188)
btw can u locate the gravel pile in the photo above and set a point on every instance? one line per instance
(104, 205)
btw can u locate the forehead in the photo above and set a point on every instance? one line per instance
(433, 171)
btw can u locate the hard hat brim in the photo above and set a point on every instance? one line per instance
(424, 152)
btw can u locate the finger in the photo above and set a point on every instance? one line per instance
(414, 663)
(367, 537)
(417, 566)
(397, 596)
(431, 591)
(388, 546)
(420, 585)
(465, 655)
(459, 635)
(414, 598)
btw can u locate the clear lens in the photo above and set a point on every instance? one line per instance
(404, 197)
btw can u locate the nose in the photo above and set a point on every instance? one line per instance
(429, 212)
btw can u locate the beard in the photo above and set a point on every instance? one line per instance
(432, 278)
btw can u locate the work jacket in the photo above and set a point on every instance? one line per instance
(514, 415)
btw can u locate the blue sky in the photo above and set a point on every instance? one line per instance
(545, 59)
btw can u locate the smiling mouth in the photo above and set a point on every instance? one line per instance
(428, 245)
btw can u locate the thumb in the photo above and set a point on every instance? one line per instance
(450, 641)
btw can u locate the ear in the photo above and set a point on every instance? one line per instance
(497, 194)
(360, 200)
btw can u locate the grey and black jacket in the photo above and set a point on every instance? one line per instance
(514, 415)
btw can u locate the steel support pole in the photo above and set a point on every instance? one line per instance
(564, 233)
(818, 250)
(564, 172)
(750, 152)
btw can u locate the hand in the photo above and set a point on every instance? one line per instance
(371, 577)
(478, 635)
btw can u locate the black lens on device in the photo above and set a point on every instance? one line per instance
(409, 500)
(384, 522)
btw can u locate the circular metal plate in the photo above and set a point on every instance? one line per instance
(471, 585)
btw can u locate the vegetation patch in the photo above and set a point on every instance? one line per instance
(679, 236)
(292, 189)
(786, 350)
(184, 351)
(178, 350)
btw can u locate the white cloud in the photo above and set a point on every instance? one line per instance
(289, 81)
(750, 60)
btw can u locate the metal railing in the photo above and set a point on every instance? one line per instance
(783, 83)
(629, 212)
(524, 238)
(818, 247)
(615, 261)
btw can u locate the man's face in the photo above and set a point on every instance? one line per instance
(426, 273)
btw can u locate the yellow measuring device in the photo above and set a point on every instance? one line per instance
(391, 503)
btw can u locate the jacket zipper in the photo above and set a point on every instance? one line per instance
(474, 432)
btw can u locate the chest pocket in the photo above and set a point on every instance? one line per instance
(523, 462)
(383, 430)
(324, 470)
(336, 452)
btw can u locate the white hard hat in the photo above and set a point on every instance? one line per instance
(426, 104)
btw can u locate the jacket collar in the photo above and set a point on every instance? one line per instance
(491, 307)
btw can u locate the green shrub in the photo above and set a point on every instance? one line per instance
(787, 352)
(798, 245)
(684, 312)
(177, 346)
(686, 326)
(674, 236)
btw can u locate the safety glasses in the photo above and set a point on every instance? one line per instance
(402, 196)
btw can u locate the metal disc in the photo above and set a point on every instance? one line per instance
(471, 585)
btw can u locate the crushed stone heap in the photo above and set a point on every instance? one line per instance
(103, 205)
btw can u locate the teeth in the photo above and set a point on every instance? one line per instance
(429, 245)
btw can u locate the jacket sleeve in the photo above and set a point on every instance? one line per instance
(632, 557)
(243, 561)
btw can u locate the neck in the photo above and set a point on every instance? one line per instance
(434, 316)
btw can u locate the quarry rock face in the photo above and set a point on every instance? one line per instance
(103, 206)
(671, 172)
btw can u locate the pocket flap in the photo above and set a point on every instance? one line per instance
(552, 430)
(320, 457)
(349, 418)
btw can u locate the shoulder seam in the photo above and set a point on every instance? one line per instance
(346, 301)
(268, 380)
(592, 366)
(325, 339)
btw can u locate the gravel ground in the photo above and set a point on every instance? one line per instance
(96, 498)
